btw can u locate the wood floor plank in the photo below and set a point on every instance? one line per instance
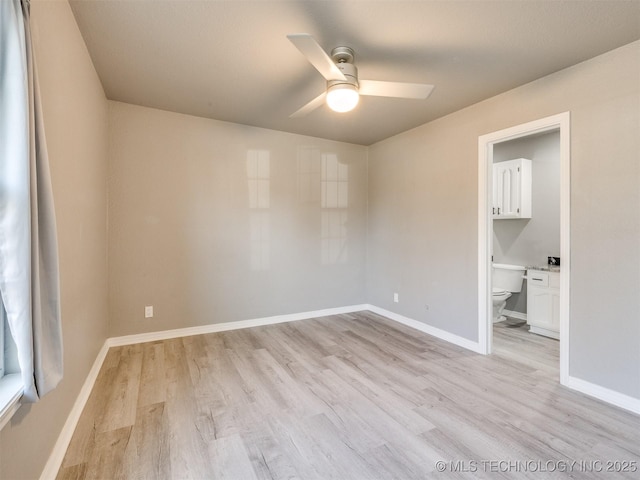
(300, 447)
(73, 472)
(107, 459)
(82, 443)
(120, 408)
(152, 375)
(188, 449)
(149, 444)
(336, 448)
(229, 459)
(393, 404)
(352, 396)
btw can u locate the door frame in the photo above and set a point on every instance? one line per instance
(561, 122)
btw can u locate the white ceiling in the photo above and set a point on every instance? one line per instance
(230, 60)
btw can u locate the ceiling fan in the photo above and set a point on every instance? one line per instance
(343, 86)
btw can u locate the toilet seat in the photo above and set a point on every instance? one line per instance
(498, 291)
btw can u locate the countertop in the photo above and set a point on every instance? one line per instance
(544, 268)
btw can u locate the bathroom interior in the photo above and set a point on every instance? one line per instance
(526, 241)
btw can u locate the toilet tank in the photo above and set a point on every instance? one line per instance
(508, 277)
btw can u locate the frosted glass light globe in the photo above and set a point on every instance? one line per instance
(343, 97)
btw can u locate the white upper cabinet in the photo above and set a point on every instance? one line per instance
(512, 189)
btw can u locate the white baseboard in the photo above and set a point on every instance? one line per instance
(512, 314)
(428, 329)
(223, 327)
(60, 448)
(606, 395)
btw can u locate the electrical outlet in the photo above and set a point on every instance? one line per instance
(396, 298)
(148, 311)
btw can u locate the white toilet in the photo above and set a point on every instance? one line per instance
(507, 279)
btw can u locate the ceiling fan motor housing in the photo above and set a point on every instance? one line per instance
(343, 55)
(350, 71)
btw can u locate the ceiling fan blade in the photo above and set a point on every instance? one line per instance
(316, 56)
(309, 107)
(395, 89)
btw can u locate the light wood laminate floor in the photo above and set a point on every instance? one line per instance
(352, 396)
(512, 341)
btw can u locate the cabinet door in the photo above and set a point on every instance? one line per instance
(512, 182)
(506, 189)
(543, 308)
(497, 188)
(510, 190)
(538, 306)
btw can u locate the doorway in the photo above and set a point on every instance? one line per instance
(486, 143)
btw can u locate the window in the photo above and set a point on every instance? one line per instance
(12, 111)
(2, 329)
(10, 381)
(29, 278)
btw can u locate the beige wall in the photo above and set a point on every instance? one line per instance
(215, 222)
(75, 115)
(423, 213)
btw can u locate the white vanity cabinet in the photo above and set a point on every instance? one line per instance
(512, 189)
(543, 303)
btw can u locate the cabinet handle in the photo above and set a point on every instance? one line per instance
(498, 210)
(537, 279)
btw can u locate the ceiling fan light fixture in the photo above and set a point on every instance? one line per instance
(343, 86)
(342, 97)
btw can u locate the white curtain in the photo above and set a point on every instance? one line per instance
(29, 282)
